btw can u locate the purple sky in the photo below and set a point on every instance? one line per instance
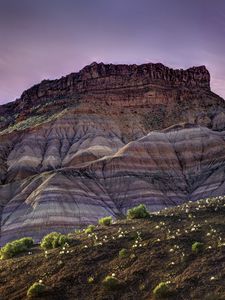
(50, 38)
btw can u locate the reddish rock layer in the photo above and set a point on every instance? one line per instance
(98, 78)
(76, 149)
(160, 96)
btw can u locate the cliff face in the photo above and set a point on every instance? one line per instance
(82, 147)
(160, 96)
(101, 78)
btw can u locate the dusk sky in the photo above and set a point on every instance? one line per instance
(47, 39)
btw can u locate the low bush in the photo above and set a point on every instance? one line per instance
(13, 248)
(111, 283)
(89, 229)
(90, 279)
(36, 289)
(106, 221)
(123, 253)
(138, 212)
(162, 291)
(197, 247)
(29, 242)
(54, 240)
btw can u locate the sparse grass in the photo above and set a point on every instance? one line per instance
(159, 249)
(138, 212)
(32, 121)
(106, 221)
(162, 291)
(111, 283)
(13, 248)
(89, 229)
(36, 289)
(123, 253)
(54, 240)
(90, 279)
(197, 247)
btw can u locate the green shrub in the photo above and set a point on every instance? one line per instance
(162, 291)
(111, 283)
(89, 229)
(106, 221)
(123, 253)
(36, 289)
(138, 212)
(197, 247)
(54, 240)
(29, 242)
(15, 247)
(90, 279)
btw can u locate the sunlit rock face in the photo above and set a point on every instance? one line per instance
(95, 143)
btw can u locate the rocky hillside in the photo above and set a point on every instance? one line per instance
(155, 95)
(158, 249)
(95, 143)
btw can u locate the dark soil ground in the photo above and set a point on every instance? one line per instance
(159, 249)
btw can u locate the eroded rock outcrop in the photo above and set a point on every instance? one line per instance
(159, 95)
(98, 78)
(94, 143)
(162, 169)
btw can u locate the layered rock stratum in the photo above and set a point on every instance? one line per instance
(99, 141)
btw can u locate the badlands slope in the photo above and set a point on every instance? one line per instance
(97, 142)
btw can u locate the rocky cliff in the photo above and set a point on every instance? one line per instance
(106, 79)
(94, 143)
(160, 96)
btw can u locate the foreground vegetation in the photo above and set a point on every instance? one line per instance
(174, 254)
(54, 240)
(16, 247)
